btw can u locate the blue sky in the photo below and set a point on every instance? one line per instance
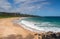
(34, 7)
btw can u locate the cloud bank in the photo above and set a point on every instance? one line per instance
(22, 6)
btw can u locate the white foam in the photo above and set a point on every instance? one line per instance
(30, 24)
(32, 27)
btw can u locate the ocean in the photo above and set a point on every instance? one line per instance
(42, 23)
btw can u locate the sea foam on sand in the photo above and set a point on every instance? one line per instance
(32, 27)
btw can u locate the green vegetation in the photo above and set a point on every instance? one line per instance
(5, 15)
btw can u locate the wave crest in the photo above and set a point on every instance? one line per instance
(42, 26)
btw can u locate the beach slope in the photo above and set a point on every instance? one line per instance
(7, 27)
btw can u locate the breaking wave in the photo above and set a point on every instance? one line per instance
(40, 26)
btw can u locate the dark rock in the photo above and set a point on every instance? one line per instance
(53, 35)
(43, 37)
(58, 35)
(47, 35)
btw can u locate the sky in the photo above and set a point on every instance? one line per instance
(32, 7)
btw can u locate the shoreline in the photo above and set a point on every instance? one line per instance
(33, 29)
(22, 26)
(7, 28)
(25, 27)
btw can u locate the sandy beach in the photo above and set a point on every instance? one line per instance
(11, 30)
(7, 27)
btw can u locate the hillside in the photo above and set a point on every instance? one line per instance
(5, 14)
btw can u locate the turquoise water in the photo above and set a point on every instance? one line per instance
(45, 23)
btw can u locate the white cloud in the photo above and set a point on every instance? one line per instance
(24, 6)
(28, 6)
(18, 1)
(4, 6)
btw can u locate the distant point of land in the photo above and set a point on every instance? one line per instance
(5, 14)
